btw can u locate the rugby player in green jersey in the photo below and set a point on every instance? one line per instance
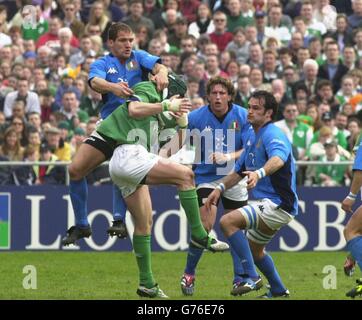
(130, 133)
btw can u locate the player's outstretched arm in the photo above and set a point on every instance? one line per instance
(119, 89)
(350, 199)
(138, 109)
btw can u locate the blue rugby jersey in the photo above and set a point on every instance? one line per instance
(280, 187)
(134, 70)
(235, 122)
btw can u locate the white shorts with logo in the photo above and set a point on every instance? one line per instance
(236, 193)
(270, 213)
(129, 165)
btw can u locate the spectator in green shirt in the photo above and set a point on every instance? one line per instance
(331, 175)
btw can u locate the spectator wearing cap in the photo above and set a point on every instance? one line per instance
(135, 18)
(331, 175)
(260, 23)
(65, 132)
(49, 174)
(221, 37)
(23, 92)
(58, 146)
(337, 135)
(203, 23)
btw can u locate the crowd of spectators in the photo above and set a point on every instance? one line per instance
(307, 53)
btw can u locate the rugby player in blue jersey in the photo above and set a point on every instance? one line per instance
(268, 163)
(222, 125)
(113, 76)
(353, 229)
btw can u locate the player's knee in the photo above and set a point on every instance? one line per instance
(187, 176)
(225, 224)
(75, 173)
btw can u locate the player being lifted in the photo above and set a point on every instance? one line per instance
(353, 229)
(112, 76)
(268, 163)
(134, 128)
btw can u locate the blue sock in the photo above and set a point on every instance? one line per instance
(238, 267)
(119, 205)
(79, 194)
(267, 267)
(193, 258)
(354, 246)
(240, 244)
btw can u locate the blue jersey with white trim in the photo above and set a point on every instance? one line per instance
(218, 135)
(134, 70)
(279, 187)
(357, 165)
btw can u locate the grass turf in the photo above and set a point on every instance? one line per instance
(113, 275)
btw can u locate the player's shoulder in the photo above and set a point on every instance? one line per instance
(272, 132)
(238, 109)
(204, 110)
(139, 54)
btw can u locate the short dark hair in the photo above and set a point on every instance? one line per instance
(270, 103)
(118, 27)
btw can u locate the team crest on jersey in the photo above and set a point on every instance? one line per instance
(234, 125)
(132, 65)
(112, 70)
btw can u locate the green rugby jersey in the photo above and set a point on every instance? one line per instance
(120, 128)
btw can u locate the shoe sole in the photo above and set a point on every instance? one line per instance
(258, 286)
(67, 243)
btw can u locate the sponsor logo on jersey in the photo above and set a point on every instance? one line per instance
(112, 70)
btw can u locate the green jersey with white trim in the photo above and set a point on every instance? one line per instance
(120, 128)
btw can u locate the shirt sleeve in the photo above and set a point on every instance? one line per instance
(147, 60)
(277, 144)
(240, 164)
(97, 69)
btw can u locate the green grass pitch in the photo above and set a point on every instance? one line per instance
(113, 275)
